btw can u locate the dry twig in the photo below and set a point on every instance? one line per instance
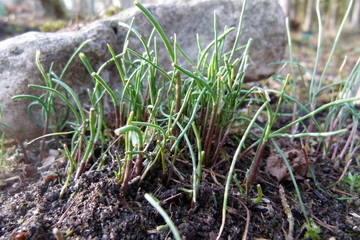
(244, 237)
(287, 210)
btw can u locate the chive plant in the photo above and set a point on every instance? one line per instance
(161, 115)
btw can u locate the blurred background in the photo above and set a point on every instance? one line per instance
(18, 16)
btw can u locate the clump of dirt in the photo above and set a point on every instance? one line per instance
(93, 208)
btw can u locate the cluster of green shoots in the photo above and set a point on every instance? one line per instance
(160, 115)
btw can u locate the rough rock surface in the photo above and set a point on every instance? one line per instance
(18, 68)
(264, 22)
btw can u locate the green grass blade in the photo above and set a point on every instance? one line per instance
(323, 107)
(36, 99)
(63, 97)
(107, 88)
(313, 87)
(73, 56)
(158, 29)
(238, 34)
(155, 203)
(302, 206)
(74, 96)
(334, 47)
(131, 128)
(322, 134)
(232, 166)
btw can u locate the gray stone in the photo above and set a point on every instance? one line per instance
(18, 68)
(264, 22)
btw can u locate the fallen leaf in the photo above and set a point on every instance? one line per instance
(276, 167)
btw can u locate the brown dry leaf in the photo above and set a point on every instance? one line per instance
(275, 165)
(29, 171)
(53, 160)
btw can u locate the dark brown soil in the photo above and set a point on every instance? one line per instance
(93, 209)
